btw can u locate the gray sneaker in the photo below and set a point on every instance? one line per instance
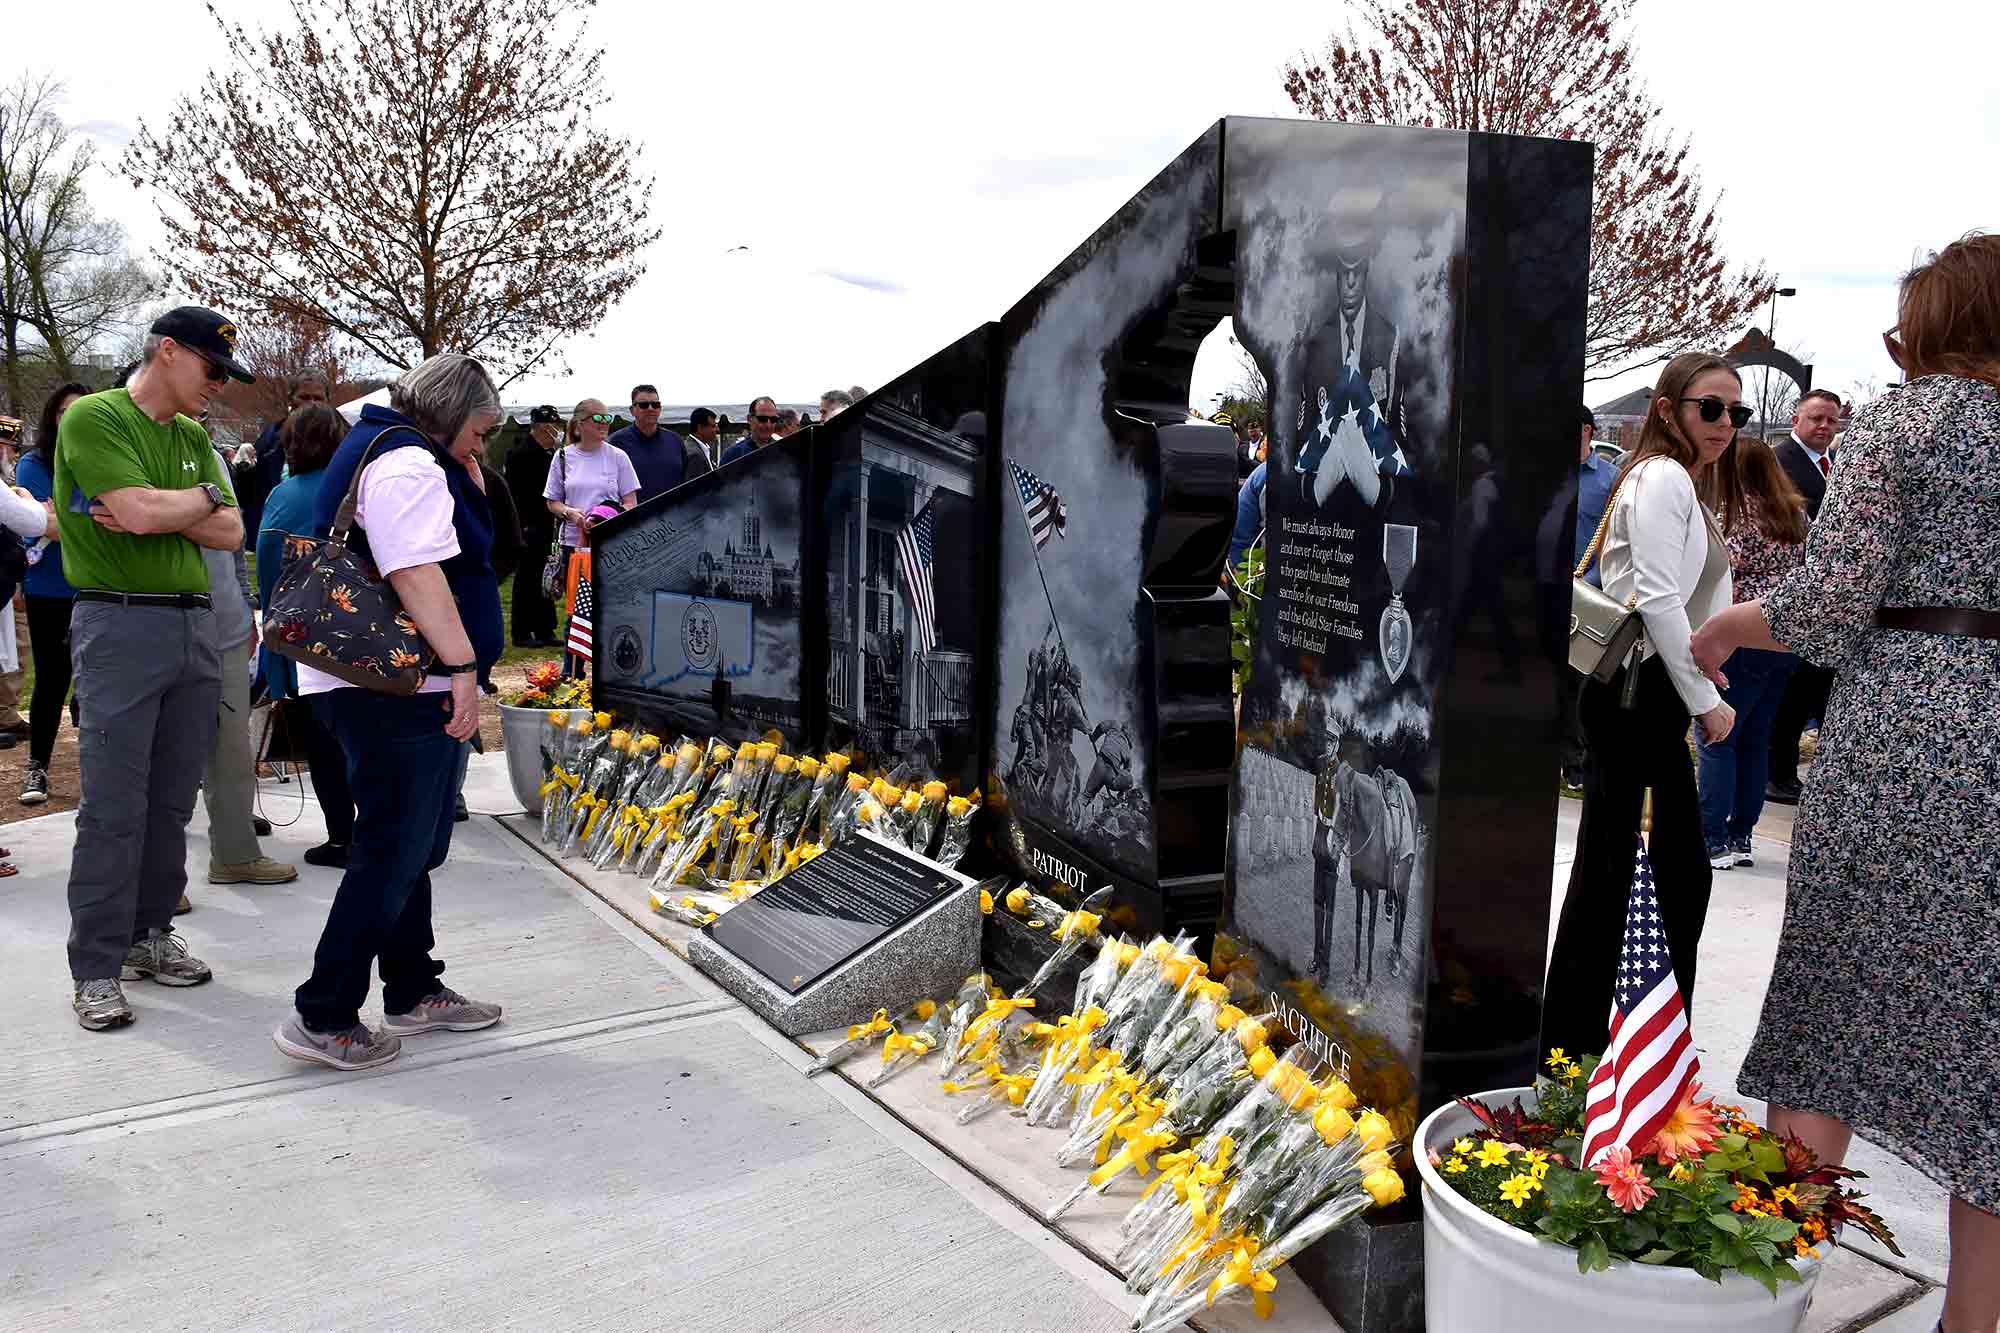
(163, 955)
(356, 1048)
(444, 1011)
(100, 1004)
(1740, 849)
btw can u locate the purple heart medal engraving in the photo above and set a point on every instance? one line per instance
(1399, 556)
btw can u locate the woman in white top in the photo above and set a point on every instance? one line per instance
(588, 472)
(1663, 552)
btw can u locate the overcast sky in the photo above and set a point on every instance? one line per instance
(901, 172)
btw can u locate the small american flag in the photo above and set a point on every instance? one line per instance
(1044, 508)
(1651, 1061)
(578, 641)
(916, 549)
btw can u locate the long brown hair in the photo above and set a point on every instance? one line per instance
(1768, 494)
(1948, 315)
(1719, 486)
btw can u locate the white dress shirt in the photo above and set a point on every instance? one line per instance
(1663, 550)
(1815, 456)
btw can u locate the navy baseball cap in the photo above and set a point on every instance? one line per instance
(201, 330)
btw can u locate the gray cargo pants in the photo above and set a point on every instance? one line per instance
(147, 682)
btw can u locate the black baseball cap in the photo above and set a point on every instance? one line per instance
(545, 416)
(200, 329)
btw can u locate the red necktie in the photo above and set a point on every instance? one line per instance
(1826, 465)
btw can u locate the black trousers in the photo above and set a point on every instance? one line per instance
(1805, 699)
(48, 641)
(534, 614)
(1632, 750)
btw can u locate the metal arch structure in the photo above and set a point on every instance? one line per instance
(1755, 348)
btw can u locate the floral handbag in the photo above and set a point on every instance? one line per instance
(333, 611)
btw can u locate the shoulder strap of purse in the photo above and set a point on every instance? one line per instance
(343, 519)
(1603, 526)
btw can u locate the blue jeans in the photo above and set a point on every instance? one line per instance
(1733, 771)
(403, 771)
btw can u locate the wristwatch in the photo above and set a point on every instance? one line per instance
(217, 497)
(460, 670)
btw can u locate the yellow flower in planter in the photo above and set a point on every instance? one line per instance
(1464, 1147)
(1492, 1154)
(1556, 1058)
(1784, 1194)
(1681, 1171)
(1516, 1189)
(1456, 1167)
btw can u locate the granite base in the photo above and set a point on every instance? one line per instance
(930, 955)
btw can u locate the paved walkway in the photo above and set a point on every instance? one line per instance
(629, 1150)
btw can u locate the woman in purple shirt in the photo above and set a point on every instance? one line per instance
(587, 472)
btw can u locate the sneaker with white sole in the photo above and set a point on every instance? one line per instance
(444, 1011)
(35, 789)
(356, 1048)
(1721, 858)
(1740, 849)
(100, 1004)
(263, 870)
(163, 956)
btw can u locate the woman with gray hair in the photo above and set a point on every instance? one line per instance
(422, 517)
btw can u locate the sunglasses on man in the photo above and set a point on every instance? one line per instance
(216, 374)
(766, 418)
(1712, 408)
(646, 407)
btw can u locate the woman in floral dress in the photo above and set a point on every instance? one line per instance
(1883, 1014)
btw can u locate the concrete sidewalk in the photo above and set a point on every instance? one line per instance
(630, 1149)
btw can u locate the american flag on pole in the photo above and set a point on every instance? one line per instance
(1651, 1061)
(916, 550)
(1044, 508)
(578, 640)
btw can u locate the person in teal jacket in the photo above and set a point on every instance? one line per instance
(309, 436)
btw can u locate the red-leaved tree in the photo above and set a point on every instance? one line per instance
(1659, 281)
(418, 176)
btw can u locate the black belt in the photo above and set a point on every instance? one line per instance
(1967, 622)
(185, 600)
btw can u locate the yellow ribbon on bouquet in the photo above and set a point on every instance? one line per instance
(919, 1044)
(559, 778)
(879, 1023)
(996, 1011)
(1241, 1271)
(1140, 1144)
(596, 805)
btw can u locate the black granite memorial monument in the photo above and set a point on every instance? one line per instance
(1003, 568)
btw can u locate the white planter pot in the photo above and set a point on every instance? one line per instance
(1483, 1276)
(522, 730)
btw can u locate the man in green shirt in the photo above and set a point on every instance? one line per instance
(138, 492)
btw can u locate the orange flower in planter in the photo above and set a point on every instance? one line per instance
(1623, 1179)
(1689, 1131)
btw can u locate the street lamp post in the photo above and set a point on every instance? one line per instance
(1764, 407)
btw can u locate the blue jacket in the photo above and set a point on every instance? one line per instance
(743, 448)
(1249, 516)
(45, 577)
(470, 572)
(288, 508)
(1594, 476)
(661, 462)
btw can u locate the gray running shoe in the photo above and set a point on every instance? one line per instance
(444, 1011)
(100, 1004)
(163, 955)
(356, 1048)
(1740, 849)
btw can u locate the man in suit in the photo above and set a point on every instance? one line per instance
(1807, 458)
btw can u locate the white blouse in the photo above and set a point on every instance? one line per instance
(23, 516)
(1663, 549)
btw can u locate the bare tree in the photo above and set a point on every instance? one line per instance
(66, 281)
(1659, 283)
(419, 176)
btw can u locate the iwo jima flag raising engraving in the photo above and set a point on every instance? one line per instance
(1650, 1062)
(1044, 508)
